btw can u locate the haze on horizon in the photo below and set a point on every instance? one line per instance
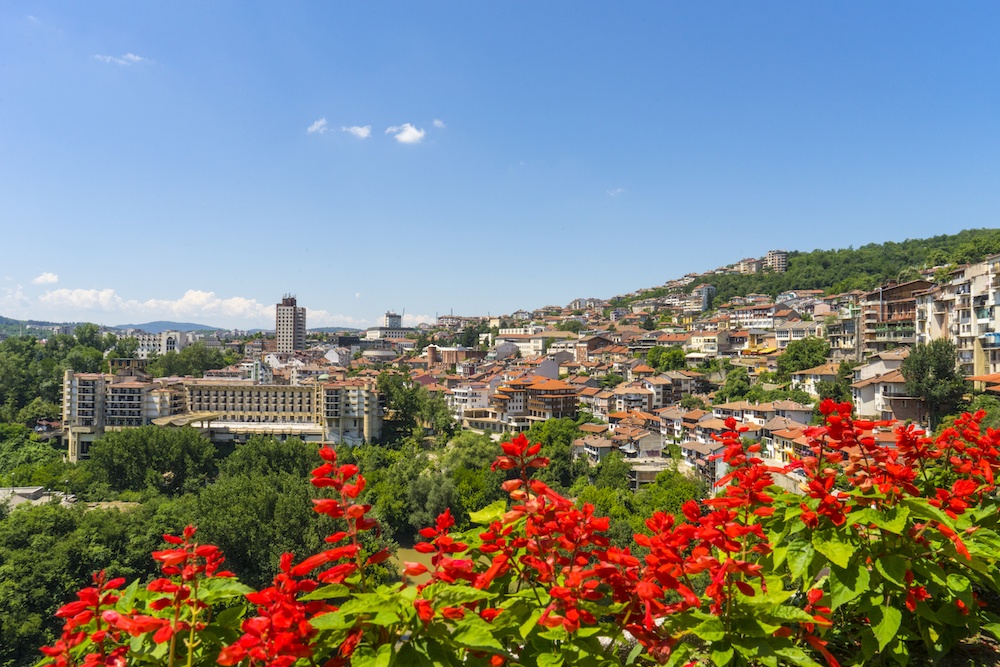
(194, 161)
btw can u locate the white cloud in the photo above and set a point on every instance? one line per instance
(196, 305)
(439, 124)
(321, 318)
(357, 295)
(615, 192)
(192, 303)
(13, 298)
(127, 59)
(82, 299)
(406, 133)
(414, 320)
(319, 127)
(360, 131)
(46, 278)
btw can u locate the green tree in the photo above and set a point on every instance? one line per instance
(801, 355)
(89, 335)
(736, 387)
(192, 360)
(18, 448)
(255, 516)
(612, 472)
(689, 402)
(666, 358)
(840, 389)
(168, 460)
(611, 380)
(47, 552)
(265, 455)
(38, 409)
(125, 348)
(556, 437)
(931, 372)
(401, 398)
(576, 326)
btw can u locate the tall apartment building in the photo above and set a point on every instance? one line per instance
(889, 316)
(964, 311)
(776, 260)
(290, 325)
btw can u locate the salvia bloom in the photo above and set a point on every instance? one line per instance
(888, 531)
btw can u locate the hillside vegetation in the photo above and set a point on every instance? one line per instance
(846, 269)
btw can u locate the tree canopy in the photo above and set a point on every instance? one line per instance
(801, 355)
(931, 373)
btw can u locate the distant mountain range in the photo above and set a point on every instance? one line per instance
(12, 326)
(164, 325)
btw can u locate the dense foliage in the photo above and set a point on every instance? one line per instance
(891, 569)
(191, 360)
(842, 270)
(931, 372)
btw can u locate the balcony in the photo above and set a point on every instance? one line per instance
(990, 341)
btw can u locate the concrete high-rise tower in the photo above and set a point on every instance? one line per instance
(290, 325)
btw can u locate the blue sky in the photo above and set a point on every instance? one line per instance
(194, 161)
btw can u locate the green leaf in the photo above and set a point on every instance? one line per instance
(893, 568)
(476, 636)
(680, 655)
(218, 589)
(928, 569)
(126, 602)
(335, 620)
(958, 583)
(229, 617)
(885, 629)
(365, 656)
(992, 628)
(838, 552)
(370, 603)
(869, 646)
(799, 556)
(450, 595)
(893, 521)
(710, 630)
(492, 512)
(920, 508)
(530, 623)
(797, 656)
(383, 618)
(327, 592)
(633, 654)
(722, 653)
(846, 585)
(789, 613)
(550, 660)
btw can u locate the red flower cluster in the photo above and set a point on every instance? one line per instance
(85, 619)
(172, 600)
(706, 562)
(280, 633)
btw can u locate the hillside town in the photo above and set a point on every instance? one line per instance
(647, 371)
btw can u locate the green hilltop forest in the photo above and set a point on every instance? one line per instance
(846, 269)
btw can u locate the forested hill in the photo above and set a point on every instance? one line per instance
(851, 268)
